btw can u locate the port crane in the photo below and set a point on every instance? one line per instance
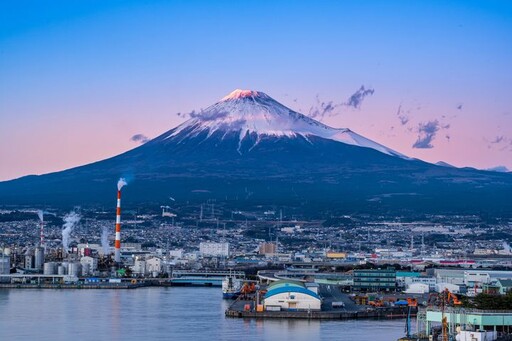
(442, 300)
(411, 303)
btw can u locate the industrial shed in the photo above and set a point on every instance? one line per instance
(291, 295)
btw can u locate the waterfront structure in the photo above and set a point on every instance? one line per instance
(153, 265)
(139, 267)
(39, 258)
(5, 262)
(202, 278)
(471, 320)
(291, 295)
(375, 280)
(214, 249)
(89, 262)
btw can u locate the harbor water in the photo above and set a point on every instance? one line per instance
(155, 313)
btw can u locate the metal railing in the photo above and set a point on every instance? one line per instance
(454, 310)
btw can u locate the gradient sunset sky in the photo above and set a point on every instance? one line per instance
(79, 79)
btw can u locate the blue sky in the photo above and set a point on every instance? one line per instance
(95, 73)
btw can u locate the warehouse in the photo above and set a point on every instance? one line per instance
(291, 295)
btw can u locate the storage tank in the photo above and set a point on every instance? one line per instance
(61, 270)
(5, 264)
(85, 269)
(29, 262)
(49, 268)
(74, 269)
(39, 258)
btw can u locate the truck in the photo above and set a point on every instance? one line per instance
(338, 304)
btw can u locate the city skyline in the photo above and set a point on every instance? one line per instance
(84, 83)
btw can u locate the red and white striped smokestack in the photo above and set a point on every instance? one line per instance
(40, 214)
(42, 234)
(117, 255)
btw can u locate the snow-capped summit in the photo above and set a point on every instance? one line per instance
(238, 93)
(253, 113)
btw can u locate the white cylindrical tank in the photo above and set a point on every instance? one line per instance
(5, 264)
(85, 269)
(49, 268)
(39, 258)
(74, 269)
(61, 270)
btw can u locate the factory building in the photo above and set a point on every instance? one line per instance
(139, 267)
(214, 249)
(89, 263)
(5, 261)
(291, 295)
(375, 280)
(153, 265)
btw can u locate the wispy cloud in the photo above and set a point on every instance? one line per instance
(404, 119)
(498, 139)
(140, 138)
(323, 109)
(426, 134)
(426, 131)
(500, 142)
(357, 98)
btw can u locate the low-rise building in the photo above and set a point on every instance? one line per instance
(89, 263)
(214, 249)
(153, 264)
(375, 280)
(504, 285)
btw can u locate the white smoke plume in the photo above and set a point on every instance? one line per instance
(40, 215)
(104, 240)
(507, 248)
(122, 182)
(70, 221)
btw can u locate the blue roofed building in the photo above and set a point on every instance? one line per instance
(291, 295)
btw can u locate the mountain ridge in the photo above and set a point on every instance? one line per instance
(203, 159)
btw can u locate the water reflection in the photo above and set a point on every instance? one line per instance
(160, 313)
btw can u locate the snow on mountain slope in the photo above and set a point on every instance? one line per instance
(248, 112)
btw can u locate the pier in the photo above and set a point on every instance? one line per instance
(379, 313)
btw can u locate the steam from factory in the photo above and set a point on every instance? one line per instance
(70, 221)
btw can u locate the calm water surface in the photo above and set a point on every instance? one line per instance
(178, 313)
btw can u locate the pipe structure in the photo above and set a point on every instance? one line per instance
(117, 254)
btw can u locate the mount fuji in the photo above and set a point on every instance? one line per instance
(248, 149)
(252, 114)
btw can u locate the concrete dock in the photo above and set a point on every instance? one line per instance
(329, 294)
